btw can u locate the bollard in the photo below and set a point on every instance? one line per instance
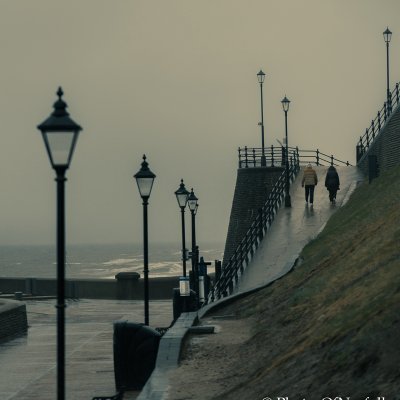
(18, 296)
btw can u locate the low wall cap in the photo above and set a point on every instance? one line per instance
(127, 276)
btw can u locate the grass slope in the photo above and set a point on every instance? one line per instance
(331, 327)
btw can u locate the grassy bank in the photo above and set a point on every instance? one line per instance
(331, 327)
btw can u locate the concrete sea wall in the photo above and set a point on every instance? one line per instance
(128, 288)
(386, 146)
(13, 318)
(253, 185)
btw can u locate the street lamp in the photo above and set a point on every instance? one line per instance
(193, 206)
(60, 134)
(182, 197)
(261, 78)
(387, 35)
(144, 179)
(285, 105)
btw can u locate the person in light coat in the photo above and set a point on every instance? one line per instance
(309, 181)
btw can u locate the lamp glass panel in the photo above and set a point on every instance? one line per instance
(387, 35)
(192, 204)
(60, 146)
(145, 185)
(182, 199)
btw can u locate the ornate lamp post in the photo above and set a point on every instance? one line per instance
(285, 105)
(193, 206)
(144, 179)
(261, 78)
(60, 134)
(387, 35)
(182, 197)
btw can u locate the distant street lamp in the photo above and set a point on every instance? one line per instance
(182, 197)
(60, 134)
(387, 35)
(144, 179)
(193, 206)
(285, 105)
(261, 78)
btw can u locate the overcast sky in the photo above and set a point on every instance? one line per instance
(175, 80)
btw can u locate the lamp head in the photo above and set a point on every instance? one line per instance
(182, 195)
(261, 76)
(192, 201)
(60, 134)
(285, 104)
(144, 179)
(387, 35)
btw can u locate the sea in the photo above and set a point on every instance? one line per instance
(98, 261)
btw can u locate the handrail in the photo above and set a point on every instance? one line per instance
(258, 228)
(250, 157)
(377, 123)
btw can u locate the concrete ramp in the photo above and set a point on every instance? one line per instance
(294, 227)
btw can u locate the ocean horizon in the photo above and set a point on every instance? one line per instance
(98, 261)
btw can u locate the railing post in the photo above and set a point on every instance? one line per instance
(385, 111)
(291, 167)
(332, 159)
(245, 155)
(372, 129)
(358, 153)
(367, 137)
(379, 121)
(397, 93)
(317, 157)
(260, 232)
(254, 157)
(272, 155)
(240, 160)
(283, 155)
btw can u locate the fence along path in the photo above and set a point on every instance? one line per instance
(251, 158)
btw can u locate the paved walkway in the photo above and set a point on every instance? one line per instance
(294, 227)
(28, 363)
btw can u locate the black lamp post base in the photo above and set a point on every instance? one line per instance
(288, 201)
(263, 161)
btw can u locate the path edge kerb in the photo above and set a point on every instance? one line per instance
(168, 355)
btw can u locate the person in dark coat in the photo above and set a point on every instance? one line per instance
(332, 183)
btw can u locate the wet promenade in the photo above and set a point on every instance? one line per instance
(28, 363)
(294, 227)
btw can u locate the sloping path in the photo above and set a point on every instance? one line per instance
(294, 227)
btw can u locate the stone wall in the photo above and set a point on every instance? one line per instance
(13, 320)
(122, 289)
(386, 145)
(253, 186)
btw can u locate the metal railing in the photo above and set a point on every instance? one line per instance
(235, 266)
(250, 157)
(376, 124)
(319, 158)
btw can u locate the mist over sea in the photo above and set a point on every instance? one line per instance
(98, 261)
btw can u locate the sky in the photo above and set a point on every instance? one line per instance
(175, 80)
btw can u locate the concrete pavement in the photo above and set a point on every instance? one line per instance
(28, 363)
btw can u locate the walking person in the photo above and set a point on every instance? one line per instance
(309, 182)
(332, 183)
